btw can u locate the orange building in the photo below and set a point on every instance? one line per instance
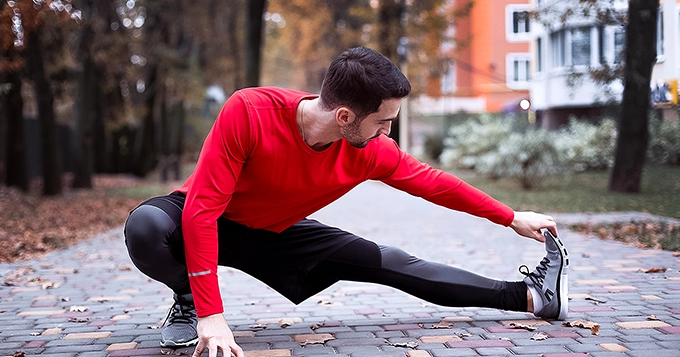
(491, 61)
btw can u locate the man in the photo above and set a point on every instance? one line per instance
(273, 157)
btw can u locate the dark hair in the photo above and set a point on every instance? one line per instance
(361, 78)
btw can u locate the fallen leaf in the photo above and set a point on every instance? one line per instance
(286, 322)
(19, 353)
(676, 254)
(76, 308)
(586, 255)
(539, 336)
(329, 303)
(443, 324)
(656, 270)
(258, 326)
(652, 317)
(597, 301)
(77, 319)
(319, 339)
(50, 285)
(35, 333)
(2, 310)
(593, 326)
(464, 334)
(522, 326)
(65, 299)
(316, 326)
(411, 344)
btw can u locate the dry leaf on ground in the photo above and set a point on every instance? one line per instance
(656, 270)
(539, 336)
(319, 339)
(411, 344)
(522, 326)
(597, 301)
(593, 326)
(443, 324)
(76, 308)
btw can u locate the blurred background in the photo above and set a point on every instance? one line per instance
(513, 95)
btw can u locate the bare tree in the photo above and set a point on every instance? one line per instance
(640, 57)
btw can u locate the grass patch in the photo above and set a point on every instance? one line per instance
(587, 192)
(645, 234)
(141, 191)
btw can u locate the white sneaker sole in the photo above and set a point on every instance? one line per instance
(563, 279)
(172, 344)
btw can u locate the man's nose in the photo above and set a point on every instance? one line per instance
(386, 129)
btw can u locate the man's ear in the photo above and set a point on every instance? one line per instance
(344, 116)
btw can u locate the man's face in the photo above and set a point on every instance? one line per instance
(360, 131)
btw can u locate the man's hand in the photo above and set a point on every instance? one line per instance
(215, 334)
(529, 224)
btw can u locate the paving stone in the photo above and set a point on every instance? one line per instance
(642, 324)
(613, 347)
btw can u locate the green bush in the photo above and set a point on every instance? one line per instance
(586, 146)
(529, 157)
(664, 141)
(472, 139)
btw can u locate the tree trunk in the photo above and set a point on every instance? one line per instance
(13, 164)
(254, 41)
(631, 146)
(83, 145)
(390, 30)
(180, 113)
(51, 160)
(146, 153)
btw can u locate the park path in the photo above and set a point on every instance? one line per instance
(89, 300)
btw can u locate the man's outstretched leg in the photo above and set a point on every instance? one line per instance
(365, 261)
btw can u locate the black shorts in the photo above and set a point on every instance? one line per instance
(281, 260)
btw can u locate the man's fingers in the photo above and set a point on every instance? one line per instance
(199, 349)
(236, 351)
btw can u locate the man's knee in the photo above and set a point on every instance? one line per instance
(395, 258)
(145, 229)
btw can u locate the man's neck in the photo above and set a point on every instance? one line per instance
(317, 127)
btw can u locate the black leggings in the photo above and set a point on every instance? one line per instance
(305, 259)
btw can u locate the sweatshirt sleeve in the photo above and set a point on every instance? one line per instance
(219, 164)
(442, 188)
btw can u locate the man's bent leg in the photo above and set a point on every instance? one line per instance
(153, 235)
(365, 261)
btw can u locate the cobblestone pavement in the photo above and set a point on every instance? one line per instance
(90, 301)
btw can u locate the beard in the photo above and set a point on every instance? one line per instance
(352, 133)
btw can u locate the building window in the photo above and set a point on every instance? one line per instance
(619, 44)
(571, 47)
(659, 36)
(580, 46)
(517, 70)
(557, 43)
(518, 23)
(539, 55)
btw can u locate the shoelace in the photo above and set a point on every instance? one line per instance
(541, 269)
(180, 313)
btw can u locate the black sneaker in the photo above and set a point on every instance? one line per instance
(550, 279)
(179, 328)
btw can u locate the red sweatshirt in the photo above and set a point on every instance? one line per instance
(256, 170)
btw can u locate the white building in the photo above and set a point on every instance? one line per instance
(563, 51)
